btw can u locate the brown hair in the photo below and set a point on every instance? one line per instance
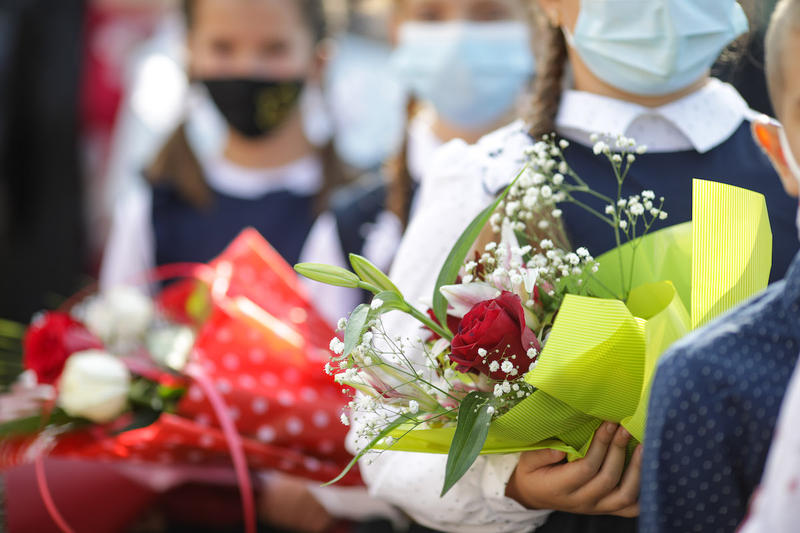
(549, 84)
(785, 18)
(399, 182)
(177, 164)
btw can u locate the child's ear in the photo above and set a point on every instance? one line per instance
(323, 53)
(767, 136)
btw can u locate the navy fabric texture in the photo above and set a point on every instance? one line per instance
(737, 161)
(185, 233)
(713, 409)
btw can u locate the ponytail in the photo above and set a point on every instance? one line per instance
(400, 184)
(177, 165)
(334, 175)
(549, 84)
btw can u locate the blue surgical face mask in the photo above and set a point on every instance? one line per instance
(471, 72)
(654, 47)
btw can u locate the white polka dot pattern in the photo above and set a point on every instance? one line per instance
(713, 408)
(275, 391)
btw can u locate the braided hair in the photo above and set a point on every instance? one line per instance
(549, 84)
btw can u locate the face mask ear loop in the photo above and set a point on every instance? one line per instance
(568, 36)
(788, 155)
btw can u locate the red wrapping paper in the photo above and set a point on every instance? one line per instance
(264, 347)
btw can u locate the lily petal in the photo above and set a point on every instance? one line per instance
(509, 240)
(439, 347)
(529, 278)
(462, 298)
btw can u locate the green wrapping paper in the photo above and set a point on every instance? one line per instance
(601, 354)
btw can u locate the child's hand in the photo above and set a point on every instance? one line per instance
(287, 503)
(597, 484)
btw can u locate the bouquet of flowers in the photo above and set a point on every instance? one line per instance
(225, 363)
(531, 343)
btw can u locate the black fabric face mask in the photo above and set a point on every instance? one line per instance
(254, 107)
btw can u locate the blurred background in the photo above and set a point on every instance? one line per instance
(92, 90)
(89, 89)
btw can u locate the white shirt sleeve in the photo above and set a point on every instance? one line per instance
(452, 194)
(130, 250)
(324, 246)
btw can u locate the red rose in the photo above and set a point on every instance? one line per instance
(452, 324)
(50, 340)
(493, 333)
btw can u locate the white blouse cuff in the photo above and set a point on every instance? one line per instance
(495, 479)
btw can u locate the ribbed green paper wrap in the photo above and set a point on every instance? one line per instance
(601, 354)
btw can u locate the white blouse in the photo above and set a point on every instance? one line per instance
(460, 183)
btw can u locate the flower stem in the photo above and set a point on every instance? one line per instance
(430, 324)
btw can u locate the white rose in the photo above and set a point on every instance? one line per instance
(119, 314)
(94, 385)
(171, 346)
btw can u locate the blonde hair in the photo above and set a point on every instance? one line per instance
(786, 18)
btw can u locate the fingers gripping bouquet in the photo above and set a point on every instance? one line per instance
(530, 342)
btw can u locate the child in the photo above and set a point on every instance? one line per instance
(255, 59)
(635, 72)
(466, 64)
(715, 397)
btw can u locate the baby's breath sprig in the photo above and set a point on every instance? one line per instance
(549, 180)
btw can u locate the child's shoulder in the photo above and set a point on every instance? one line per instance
(502, 154)
(492, 162)
(753, 339)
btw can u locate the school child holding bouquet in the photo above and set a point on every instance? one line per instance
(635, 70)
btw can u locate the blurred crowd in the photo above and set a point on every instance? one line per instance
(90, 89)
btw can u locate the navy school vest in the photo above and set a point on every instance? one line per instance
(737, 161)
(357, 207)
(186, 233)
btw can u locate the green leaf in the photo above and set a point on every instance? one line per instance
(355, 328)
(328, 274)
(451, 267)
(392, 301)
(394, 424)
(33, 424)
(10, 329)
(22, 426)
(142, 417)
(371, 274)
(471, 432)
(549, 303)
